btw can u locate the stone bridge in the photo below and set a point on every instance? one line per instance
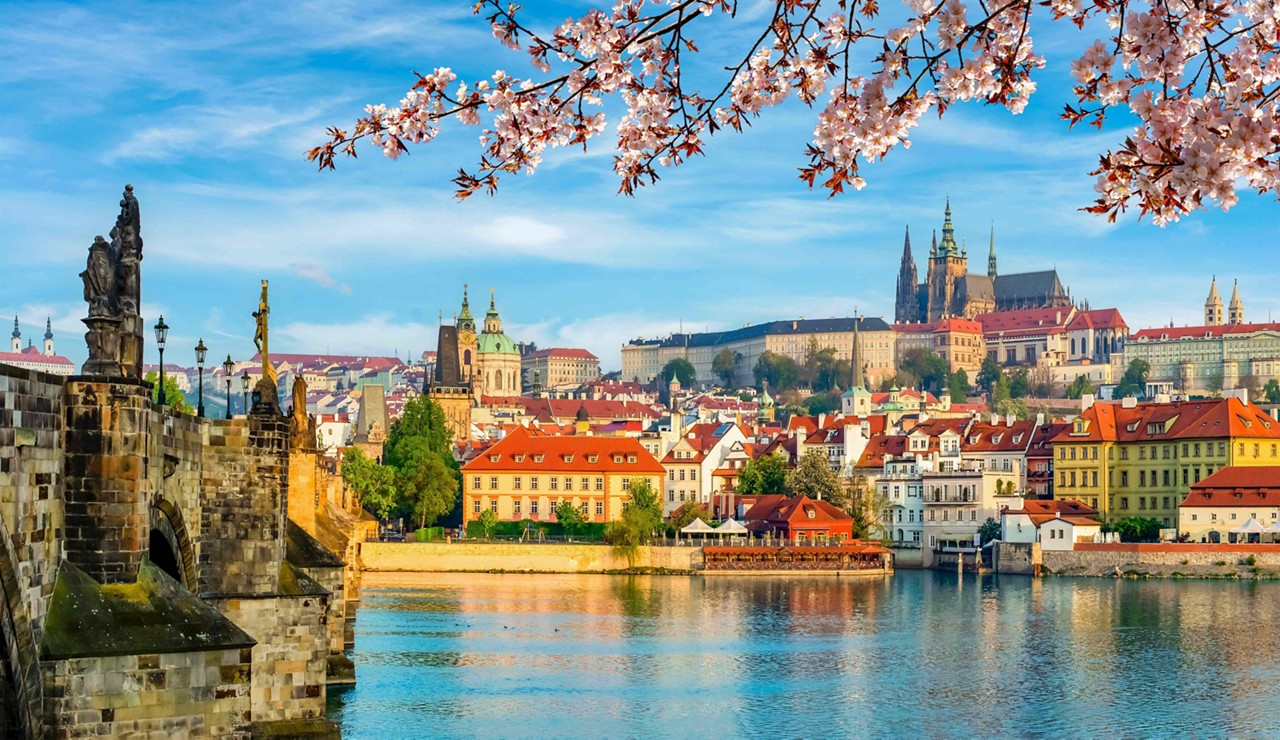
(151, 578)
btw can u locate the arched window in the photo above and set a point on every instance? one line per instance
(466, 357)
(498, 381)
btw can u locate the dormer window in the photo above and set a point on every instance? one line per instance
(568, 457)
(519, 458)
(537, 458)
(631, 459)
(592, 459)
(495, 458)
(617, 459)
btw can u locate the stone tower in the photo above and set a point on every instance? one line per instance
(1213, 305)
(991, 255)
(48, 337)
(17, 336)
(447, 387)
(907, 306)
(468, 346)
(1235, 309)
(947, 268)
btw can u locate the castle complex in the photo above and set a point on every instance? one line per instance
(950, 290)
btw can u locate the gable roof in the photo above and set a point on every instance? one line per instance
(1028, 286)
(521, 450)
(1155, 422)
(1201, 332)
(1041, 511)
(1237, 486)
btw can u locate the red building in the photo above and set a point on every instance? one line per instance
(798, 519)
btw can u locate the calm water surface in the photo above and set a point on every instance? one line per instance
(917, 654)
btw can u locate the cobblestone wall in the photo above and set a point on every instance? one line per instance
(198, 694)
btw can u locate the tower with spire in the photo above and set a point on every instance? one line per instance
(1213, 305)
(48, 337)
(991, 255)
(497, 361)
(946, 279)
(907, 305)
(17, 336)
(468, 346)
(1235, 309)
(857, 400)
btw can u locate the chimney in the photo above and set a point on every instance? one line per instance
(822, 420)
(1008, 420)
(995, 419)
(1039, 420)
(1129, 403)
(1086, 402)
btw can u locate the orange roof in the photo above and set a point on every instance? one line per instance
(987, 437)
(1098, 318)
(1154, 422)
(1200, 332)
(1069, 510)
(1027, 321)
(1238, 486)
(795, 510)
(523, 451)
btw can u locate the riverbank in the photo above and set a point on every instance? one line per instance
(503, 557)
(1165, 560)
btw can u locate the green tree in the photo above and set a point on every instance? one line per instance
(869, 508)
(682, 370)
(421, 422)
(1134, 381)
(488, 522)
(1015, 407)
(640, 518)
(921, 365)
(1137, 529)
(821, 403)
(779, 369)
(990, 530)
(1272, 391)
(1000, 391)
(1079, 387)
(958, 385)
(173, 396)
(813, 477)
(427, 487)
(688, 511)
(763, 476)
(570, 517)
(723, 365)
(988, 374)
(372, 484)
(1020, 383)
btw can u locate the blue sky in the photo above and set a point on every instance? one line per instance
(207, 109)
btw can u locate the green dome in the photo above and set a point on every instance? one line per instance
(497, 344)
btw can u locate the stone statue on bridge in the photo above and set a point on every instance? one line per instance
(266, 391)
(113, 289)
(302, 434)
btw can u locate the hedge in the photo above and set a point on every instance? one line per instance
(592, 530)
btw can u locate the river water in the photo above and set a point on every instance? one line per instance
(920, 653)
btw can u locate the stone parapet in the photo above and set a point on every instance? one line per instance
(428, 557)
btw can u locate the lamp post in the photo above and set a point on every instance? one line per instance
(228, 367)
(201, 350)
(244, 387)
(162, 335)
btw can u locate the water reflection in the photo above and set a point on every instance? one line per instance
(920, 653)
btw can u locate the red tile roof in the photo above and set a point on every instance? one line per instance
(1153, 422)
(1238, 486)
(34, 355)
(524, 451)
(1024, 322)
(568, 353)
(1200, 332)
(1098, 318)
(798, 510)
(1071, 510)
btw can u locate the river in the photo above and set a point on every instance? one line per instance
(920, 653)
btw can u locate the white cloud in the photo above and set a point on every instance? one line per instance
(375, 334)
(316, 273)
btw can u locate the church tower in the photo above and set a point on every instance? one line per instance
(1235, 309)
(947, 268)
(991, 256)
(17, 336)
(857, 400)
(467, 345)
(497, 362)
(1213, 305)
(907, 307)
(48, 337)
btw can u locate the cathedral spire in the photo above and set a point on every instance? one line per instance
(948, 246)
(991, 255)
(855, 359)
(906, 248)
(1213, 305)
(464, 320)
(16, 333)
(1235, 309)
(933, 248)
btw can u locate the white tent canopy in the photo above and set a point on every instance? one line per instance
(1252, 526)
(730, 526)
(697, 526)
(1273, 529)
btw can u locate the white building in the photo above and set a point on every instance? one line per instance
(1056, 525)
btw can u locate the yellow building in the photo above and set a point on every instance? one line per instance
(1141, 459)
(1235, 504)
(527, 474)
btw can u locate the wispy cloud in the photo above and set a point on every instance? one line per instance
(316, 273)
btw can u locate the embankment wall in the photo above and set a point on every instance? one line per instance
(435, 557)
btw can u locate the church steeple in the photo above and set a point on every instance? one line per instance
(17, 336)
(1235, 309)
(948, 246)
(908, 300)
(991, 256)
(466, 322)
(492, 322)
(855, 359)
(1213, 305)
(48, 337)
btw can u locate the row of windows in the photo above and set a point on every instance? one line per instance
(973, 515)
(554, 482)
(693, 474)
(684, 495)
(1165, 452)
(1213, 516)
(517, 506)
(1146, 479)
(1151, 502)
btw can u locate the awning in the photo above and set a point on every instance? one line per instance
(697, 526)
(1273, 529)
(1252, 526)
(730, 527)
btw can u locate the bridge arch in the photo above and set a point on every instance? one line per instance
(21, 693)
(170, 544)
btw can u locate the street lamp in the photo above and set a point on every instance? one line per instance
(244, 386)
(162, 335)
(228, 367)
(201, 350)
